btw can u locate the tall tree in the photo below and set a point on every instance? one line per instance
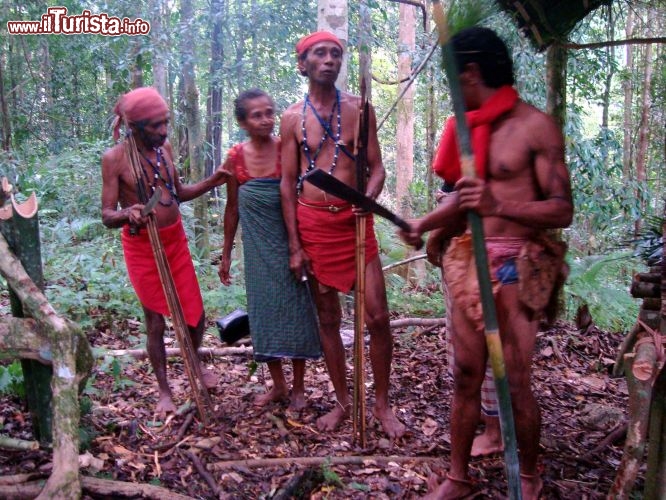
(332, 15)
(627, 87)
(644, 131)
(215, 88)
(193, 121)
(405, 123)
(159, 50)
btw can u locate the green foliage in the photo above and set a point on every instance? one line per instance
(602, 282)
(330, 476)
(468, 13)
(11, 379)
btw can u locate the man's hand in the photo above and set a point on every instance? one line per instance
(134, 216)
(474, 194)
(413, 237)
(299, 262)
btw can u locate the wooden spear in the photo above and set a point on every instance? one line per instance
(493, 342)
(181, 330)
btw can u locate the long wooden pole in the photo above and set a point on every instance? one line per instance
(181, 330)
(493, 342)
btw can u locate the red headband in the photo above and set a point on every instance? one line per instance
(318, 36)
(144, 103)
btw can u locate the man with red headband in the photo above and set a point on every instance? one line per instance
(319, 132)
(147, 115)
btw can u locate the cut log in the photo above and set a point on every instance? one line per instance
(640, 394)
(651, 304)
(648, 277)
(9, 443)
(626, 346)
(655, 477)
(644, 366)
(643, 289)
(650, 318)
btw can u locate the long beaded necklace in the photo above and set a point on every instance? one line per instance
(328, 133)
(157, 175)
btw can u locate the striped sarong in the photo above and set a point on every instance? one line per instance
(280, 308)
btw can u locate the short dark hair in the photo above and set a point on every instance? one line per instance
(240, 109)
(483, 47)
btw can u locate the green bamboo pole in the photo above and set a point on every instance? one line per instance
(22, 235)
(493, 341)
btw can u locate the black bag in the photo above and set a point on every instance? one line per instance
(233, 326)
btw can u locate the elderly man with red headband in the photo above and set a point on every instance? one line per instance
(319, 132)
(147, 115)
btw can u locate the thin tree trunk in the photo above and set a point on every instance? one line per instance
(644, 133)
(610, 55)
(158, 48)
(556, 80)
(627, 86)
(405, 122)
(332, 16)
(193, 123)
(4, 109)
(215, 89)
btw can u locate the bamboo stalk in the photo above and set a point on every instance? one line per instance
(493, 342)
(190, 359)
(358, 406)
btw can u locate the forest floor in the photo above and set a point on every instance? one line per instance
(580, 404)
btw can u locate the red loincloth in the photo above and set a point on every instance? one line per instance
(143, 274)
(329, 239)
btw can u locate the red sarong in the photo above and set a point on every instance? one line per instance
(329, 239)
(144, 276)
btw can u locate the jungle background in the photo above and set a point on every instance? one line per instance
(56, 97)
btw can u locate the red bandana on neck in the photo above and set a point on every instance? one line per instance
(447, 159)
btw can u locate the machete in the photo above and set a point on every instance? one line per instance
(326, 182)
(152, 202)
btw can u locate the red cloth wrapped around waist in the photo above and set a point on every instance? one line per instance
(144, 276)
(328, 236)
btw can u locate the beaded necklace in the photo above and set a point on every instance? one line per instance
(328, 133)
(157, 175)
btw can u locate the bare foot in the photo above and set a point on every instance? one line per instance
(296, 401)
(272, 396)
(393, 427)
(450, 489)
(165, 405)
(332, 419)
(486, 444)
(531, 486)
(209, 379)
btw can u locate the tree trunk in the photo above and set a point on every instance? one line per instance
(332, 16)
(66, 341)
(610, 55)
(215, 88)
(627, 86)
(365, 47)
(4, 110)
(643, 133)
(556, 83)
(193, 124)
(405, 122)
(158, 48)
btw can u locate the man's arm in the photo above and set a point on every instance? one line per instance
(111, 216)
(187, 192)
(290, 169)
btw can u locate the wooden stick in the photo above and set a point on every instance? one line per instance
(181, 330)
(358, 408)
(346, 460)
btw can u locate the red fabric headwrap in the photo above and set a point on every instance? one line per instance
(318, 36)
(144, 103)
(447, 159)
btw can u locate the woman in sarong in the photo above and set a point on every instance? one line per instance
(282, 316)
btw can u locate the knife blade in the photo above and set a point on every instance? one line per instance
(152, 202)
(332, 185)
